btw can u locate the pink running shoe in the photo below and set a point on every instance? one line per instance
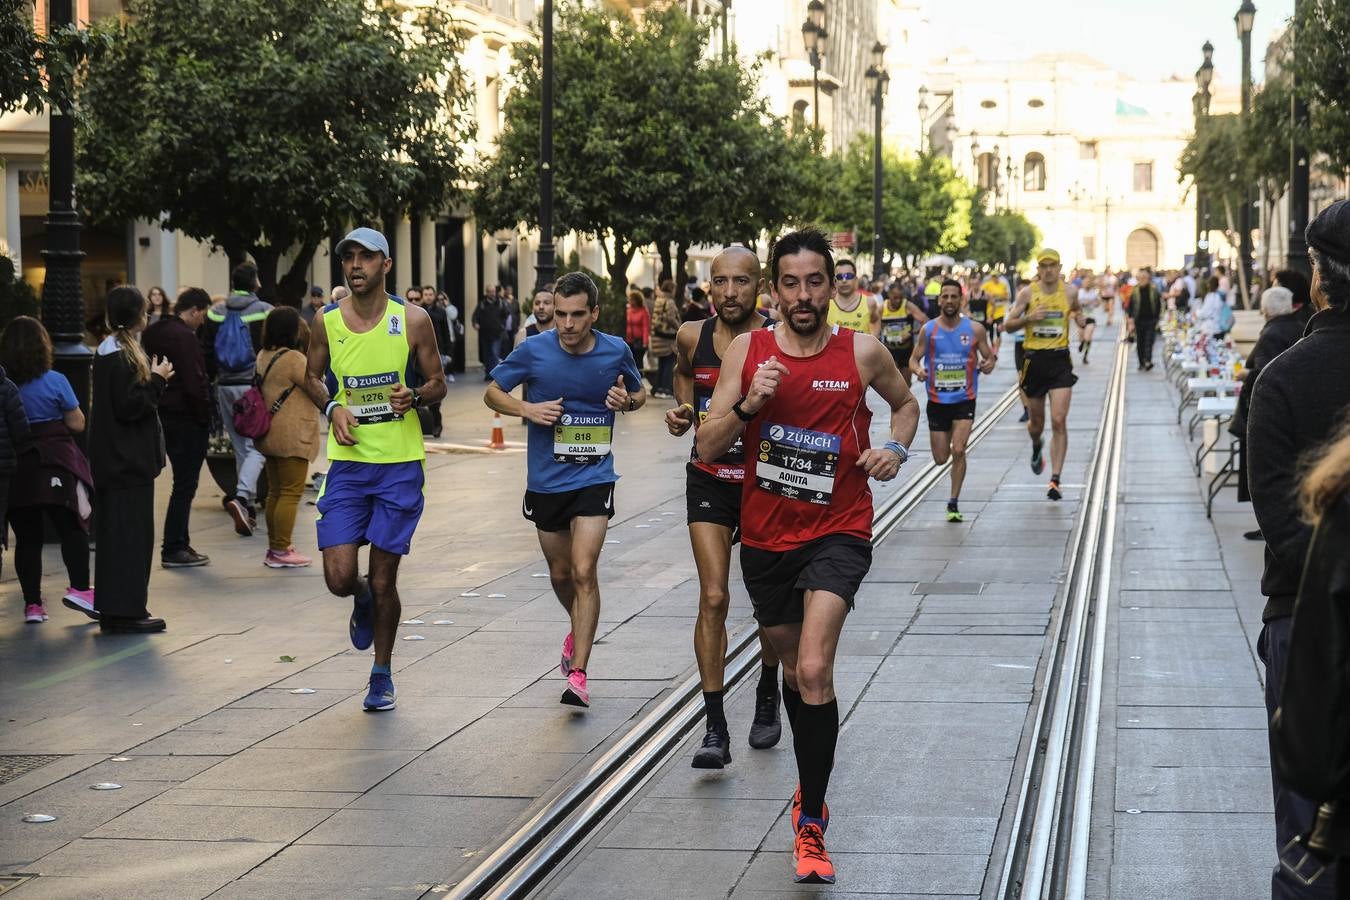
(286, 559)
(34, 614)
(576, 694)
(568, 647)
(81, 601)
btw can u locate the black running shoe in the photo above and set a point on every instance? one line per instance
(767, 727)
(1053, 493)
(1037, 461)
(716, 750)
(1255, 535)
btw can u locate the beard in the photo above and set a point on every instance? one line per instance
(746, 313)
(798, 327)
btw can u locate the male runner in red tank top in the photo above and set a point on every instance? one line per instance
(806, 509)
(713, 497)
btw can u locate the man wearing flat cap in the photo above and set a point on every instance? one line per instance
(1298, 401)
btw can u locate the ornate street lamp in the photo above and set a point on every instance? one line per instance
(814, 36)
(1244, 19)
(545, 263)
(923, 118)
(1204, 76)
(62, 292)
(878, 79)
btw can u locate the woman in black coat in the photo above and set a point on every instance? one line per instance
(126, 451)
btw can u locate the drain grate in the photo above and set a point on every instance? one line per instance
(12, 767)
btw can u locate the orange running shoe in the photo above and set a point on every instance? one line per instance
(797, 813)
(809, 856)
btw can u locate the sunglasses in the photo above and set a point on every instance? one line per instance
(845, 276)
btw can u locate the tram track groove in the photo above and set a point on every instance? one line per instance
(1048, 848)
(528, 855)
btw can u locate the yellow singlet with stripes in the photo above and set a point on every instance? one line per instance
(1052, 332)
(858, 319)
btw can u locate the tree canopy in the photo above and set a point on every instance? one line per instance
(1321, 66)
(261, 126)
(655, 140)
(992, 235)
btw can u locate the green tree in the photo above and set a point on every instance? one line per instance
(925, 205)
(261, 126)
(992, 235)
(20, 73)
(16, 297)
(1321, 66)
(1267, 147)
(1215, 161)
(655, 140)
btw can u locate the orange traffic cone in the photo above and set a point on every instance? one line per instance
(498, 441)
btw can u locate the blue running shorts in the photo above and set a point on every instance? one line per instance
(371, 503)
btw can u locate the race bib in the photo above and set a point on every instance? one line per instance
(367, 397)
(1051, 327)
(949, 378)
(896, 332)
(979, 311)
(797, 463)
(583, 439)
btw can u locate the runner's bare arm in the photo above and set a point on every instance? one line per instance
(875, 310)
(498, 400)
(1075, 308)
(987, 357)
(422, 345)
(916, 359)
(679, 419)
(719, 431)
(875, 364)
(1017, 316)
(316, 387)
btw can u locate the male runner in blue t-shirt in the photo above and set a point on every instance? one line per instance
(575, 380)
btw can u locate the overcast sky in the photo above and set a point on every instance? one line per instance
(1156, 37)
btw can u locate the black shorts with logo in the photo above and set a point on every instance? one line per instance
(712, 499)
(942, 415)
(902, 355)
(777, 580)
(1045, 371)
(555, 512)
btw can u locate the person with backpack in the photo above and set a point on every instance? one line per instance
(291, 441)
(232, 341)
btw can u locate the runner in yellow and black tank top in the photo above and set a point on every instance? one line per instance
(858, 317)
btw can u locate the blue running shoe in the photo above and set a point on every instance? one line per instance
(362, 624)
(382, 694)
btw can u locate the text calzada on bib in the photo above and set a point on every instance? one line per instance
(583, 438)
(367, 397)
(797, 463)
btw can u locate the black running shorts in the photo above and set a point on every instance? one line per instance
(712, 499)
(901, 355)
(1019, 356)
(777, 580)
(555, 512)
(1089, 320)
(1045, 371)
(942, 415)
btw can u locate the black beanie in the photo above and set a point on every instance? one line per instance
(1329, 233)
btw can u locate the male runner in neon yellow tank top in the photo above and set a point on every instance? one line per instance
(361, 357)
(850, 307)
(1044, 309)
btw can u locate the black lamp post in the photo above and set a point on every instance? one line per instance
(1297, 254)
(923, 118)
(62, 293)
(813, 38)
(1203, 77)
(1244, 19)
(878, 81)
(545, 263)
(994, 181)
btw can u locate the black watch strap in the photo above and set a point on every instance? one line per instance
(741, 413)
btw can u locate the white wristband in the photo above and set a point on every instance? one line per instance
(328, 410)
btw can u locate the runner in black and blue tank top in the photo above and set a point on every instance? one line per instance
(713, 498)
(950, 352)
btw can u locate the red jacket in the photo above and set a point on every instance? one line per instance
(639, 325)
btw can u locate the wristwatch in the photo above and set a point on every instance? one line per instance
(417, 399)
(741, 413)
(632, 403)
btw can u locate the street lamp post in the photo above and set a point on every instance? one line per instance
(923, 118)
(1297, 254)
(814, 36)
(1203, 77)
(62, 292)
(995, 157)
(545, 263)
(1244, 19)
(878, 80)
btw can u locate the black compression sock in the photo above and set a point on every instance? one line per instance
(768, 679)
(814, 744)
(792, 701)
(712, 705)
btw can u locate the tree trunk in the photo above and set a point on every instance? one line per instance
(663, 248)
(294, 285)
(681, 264)
(617, 266)
(1241, 269)
(266, 259)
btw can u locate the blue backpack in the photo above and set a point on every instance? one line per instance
(234, 344)
(1225, 319)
